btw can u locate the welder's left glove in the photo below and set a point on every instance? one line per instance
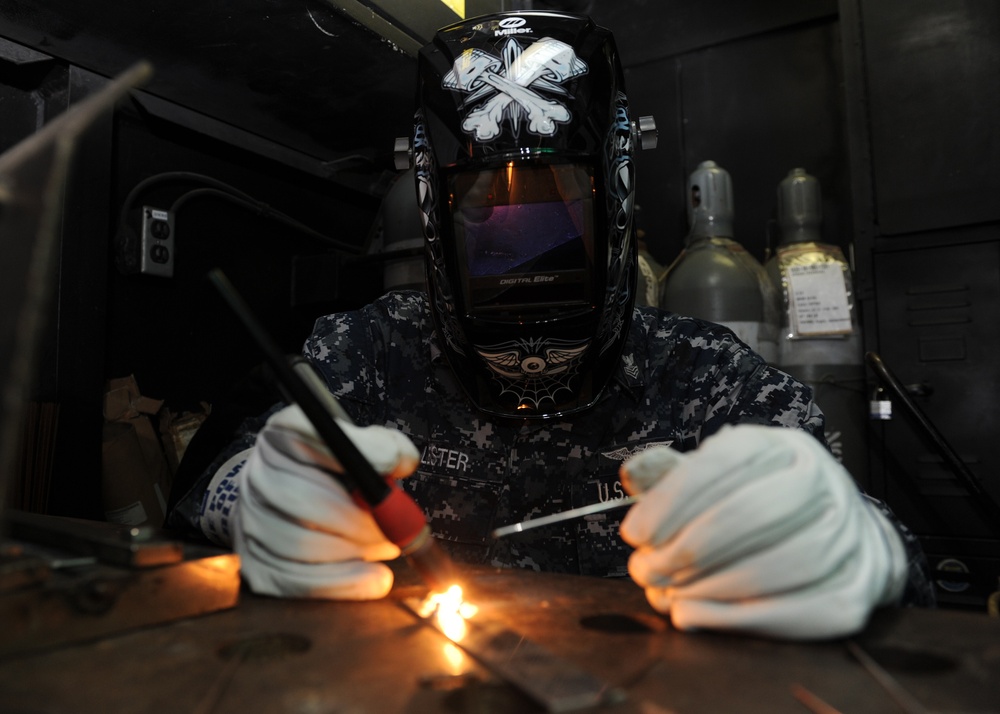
(760, 530)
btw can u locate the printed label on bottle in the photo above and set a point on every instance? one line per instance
(818, 302)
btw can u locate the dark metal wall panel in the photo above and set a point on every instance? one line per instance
(758, 107)
(934, 86)
(300, 74)
(923, 112)
(70, 360)
(752, 85)
(654, 89)
(412, 24)
(655, 29)
(939, 332)
(175, 334)
(761, 107)
(30, 87)
(75, 378)
(172, 334)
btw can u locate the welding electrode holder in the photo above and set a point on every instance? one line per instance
(414, 535)
(398, 516)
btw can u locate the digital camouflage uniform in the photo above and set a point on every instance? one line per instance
(680, 381)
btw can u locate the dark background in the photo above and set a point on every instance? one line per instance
(891, 104)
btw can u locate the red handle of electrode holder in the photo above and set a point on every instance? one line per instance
(398, 516)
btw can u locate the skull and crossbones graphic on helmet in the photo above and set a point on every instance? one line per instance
(512, 86)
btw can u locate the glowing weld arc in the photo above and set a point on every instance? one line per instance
(556, 684)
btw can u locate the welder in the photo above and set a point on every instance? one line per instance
(524, 381)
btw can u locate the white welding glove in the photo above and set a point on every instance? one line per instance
(297, 531)
(760, 530)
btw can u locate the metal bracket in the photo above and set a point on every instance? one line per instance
(556, 684)
(644, 133)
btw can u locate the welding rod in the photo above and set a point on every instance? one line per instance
(580, 512)
(396, 513)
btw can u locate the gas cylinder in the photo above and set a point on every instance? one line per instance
(819, 340)
(715, 278)
(648, 280)
(650, 271)
(401, 239)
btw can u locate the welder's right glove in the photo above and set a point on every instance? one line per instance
(759, 530)
(298, 531)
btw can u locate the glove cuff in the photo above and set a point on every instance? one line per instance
(219, 502)
(897, 566)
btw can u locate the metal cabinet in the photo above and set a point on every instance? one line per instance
(924, 119)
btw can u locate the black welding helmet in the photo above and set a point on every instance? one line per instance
(523, 159)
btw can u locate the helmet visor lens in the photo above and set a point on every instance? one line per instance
(525, 237)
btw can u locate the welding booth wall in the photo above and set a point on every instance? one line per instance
(890, 104)
(294, 104)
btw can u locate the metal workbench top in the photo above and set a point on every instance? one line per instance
(269, 655)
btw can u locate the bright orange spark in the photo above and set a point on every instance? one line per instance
(450, 610)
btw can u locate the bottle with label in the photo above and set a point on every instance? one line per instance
(648, 281)
(400, 242)
(820, 339)
(715, 278)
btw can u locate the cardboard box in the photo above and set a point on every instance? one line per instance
(135, 474)
(177, 430)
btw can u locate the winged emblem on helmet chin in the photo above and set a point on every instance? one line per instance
(522, 359)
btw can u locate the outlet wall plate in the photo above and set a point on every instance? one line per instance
(157, 242)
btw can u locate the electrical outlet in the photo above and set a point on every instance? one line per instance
(157, 242)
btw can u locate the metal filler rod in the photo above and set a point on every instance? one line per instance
(580, 512)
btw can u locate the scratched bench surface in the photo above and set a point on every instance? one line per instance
(310, 656)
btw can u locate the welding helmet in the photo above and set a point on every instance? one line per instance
(522, 152)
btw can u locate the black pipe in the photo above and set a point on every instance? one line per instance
(982, 499)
